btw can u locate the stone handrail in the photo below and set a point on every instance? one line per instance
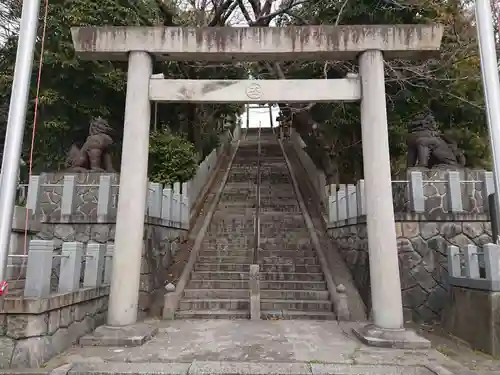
(315, 176)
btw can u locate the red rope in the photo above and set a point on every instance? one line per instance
(35, 120)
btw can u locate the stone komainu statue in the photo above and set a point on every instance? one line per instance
(428, 148)
(94, 154)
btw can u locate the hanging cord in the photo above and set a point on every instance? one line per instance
(3, 284)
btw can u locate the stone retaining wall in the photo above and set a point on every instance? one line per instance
(35, 330)
(481, 307)
(422, 248)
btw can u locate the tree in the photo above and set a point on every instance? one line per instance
(450, 85)
(75, 91)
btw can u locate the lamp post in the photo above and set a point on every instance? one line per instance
(491, 85)
(15, 124)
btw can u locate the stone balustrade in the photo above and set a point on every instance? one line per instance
(432, 193)
(55, 309)
(79, 267)
(93, 197)
(475, 267)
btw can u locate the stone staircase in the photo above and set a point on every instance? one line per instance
(292, 283)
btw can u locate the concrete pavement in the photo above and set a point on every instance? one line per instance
(254, 347)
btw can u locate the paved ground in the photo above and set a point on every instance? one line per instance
(206, 343)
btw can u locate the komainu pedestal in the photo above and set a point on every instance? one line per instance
(85, 195)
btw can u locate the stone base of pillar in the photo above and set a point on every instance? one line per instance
(132, 335)
(391, 338)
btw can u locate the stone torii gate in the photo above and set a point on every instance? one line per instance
(370, 45)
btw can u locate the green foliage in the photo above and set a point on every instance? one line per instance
(74, 91)
(172, 158)
(449, 85)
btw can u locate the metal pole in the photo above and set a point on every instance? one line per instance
(491, 84)
(271, 115)
(248, 116)
(15, 124)
(156, 117)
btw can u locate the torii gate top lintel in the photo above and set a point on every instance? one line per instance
(258, 43)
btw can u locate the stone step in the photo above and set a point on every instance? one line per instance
(303, 305)
(273, 244)
(278, 199)
(228, 247)
(226, 259)
(217, 232)
(281, 208)
(297, 315)
(242, 206)
(275, 178)
(217, 293)
(238, 196)
(270, 211)
(233, 211)
(213, 314)
(231, 267)
(292, 217)
(243, 284)
(293, 285)
(288, 243)
(290, 234)
(292, 276)
(247, 259)
(231, 216)
(218, 284)
(214, 304)
(283, 231)
(305, 295)
(288, 198)
(240, 178)
(275, 163)
(219, 275)
(278, 268)
(280, 260)
(287, 253)
(224, 252)
(267, 225)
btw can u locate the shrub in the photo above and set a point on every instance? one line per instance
(172, 158)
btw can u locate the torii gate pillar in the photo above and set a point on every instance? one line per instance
(387, 305)
(125, 279)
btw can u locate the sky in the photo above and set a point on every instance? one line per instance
(259, 115)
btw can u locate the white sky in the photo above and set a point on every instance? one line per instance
(259, 115)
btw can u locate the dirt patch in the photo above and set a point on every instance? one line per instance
(457, 349)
